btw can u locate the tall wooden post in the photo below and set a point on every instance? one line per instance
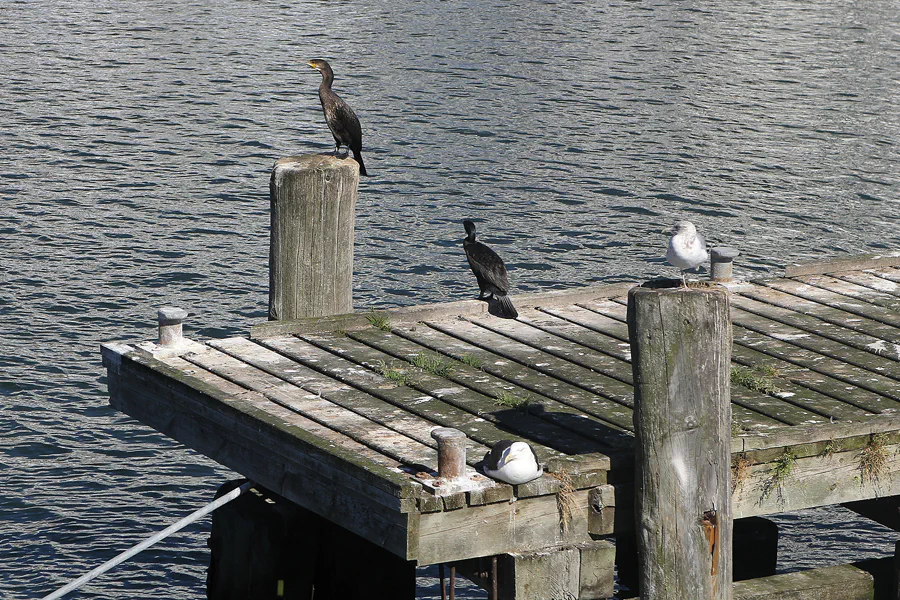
(313, 207)
(681, 360)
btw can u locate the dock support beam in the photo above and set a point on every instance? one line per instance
(681, 362)
(313, 207)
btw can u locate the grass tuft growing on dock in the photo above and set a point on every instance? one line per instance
(379, 320)
(759, 378)
(432, 363)
(781, 470)
(831, 446)
(393, 373)
(510, 400)
(471, 360)
(873, 458)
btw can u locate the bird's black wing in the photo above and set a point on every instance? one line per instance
(488, 265)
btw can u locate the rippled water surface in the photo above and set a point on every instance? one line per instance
(138, 138)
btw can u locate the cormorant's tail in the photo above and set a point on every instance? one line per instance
(506, 307)
(362, 166)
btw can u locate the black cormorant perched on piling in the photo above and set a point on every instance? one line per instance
(489, 271)
(341, 119)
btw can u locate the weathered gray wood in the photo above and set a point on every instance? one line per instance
(617, 413)
(822, 312)
(500, 527)
(560, 413)
(818, 480)
(430, 312)
(311, 483)
(852, 290)
(681, 353)
(855, 263)
(474, 416)
(808, 434)
(834, 299)
(313, 207)
(843, 582)
(597, 577)
(547, 574)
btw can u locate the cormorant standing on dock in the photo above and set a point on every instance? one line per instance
(489, 271)
(341, 119)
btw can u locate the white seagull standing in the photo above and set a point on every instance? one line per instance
(687, 248)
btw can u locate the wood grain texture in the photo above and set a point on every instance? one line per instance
(681, 356)
(313, 206)
(855, 263)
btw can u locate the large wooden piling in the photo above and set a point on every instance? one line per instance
(681, 352)
(313, 205)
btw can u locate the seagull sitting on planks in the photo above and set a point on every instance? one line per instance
(687, 248)
(490, 272)
(512, 462)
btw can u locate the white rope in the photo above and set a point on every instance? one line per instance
(150, 541)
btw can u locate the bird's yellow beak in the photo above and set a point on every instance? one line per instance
(312, 65)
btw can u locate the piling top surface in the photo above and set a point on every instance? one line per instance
(317, 162)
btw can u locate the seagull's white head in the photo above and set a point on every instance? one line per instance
(516, 451)
(685, 227)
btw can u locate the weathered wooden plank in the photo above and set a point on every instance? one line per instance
(889, 273)
(229, 411)
(797, 483)
(809, 434)
(477, 379)
(833, 333)
(501, 527)
(789, 350)
(525, 423)
(841, 582)
(848, 402)
(613, 334)
(537, 360)
(348, 397)
(834, 299)
(871, 280)
(857, 292)
(810, 340)
(772, 410)
(855, 263)
(522, 330)
(327, 434)
(828, 314)
(614, 412)
(782, 358)
(314, 484)
(387, 441)
(482, 427)
(409, 315)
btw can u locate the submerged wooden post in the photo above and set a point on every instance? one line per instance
(681, 361)
(313, 207)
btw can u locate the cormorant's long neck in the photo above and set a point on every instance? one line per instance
(327, 79)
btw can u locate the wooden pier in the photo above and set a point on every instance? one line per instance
(336, 413)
